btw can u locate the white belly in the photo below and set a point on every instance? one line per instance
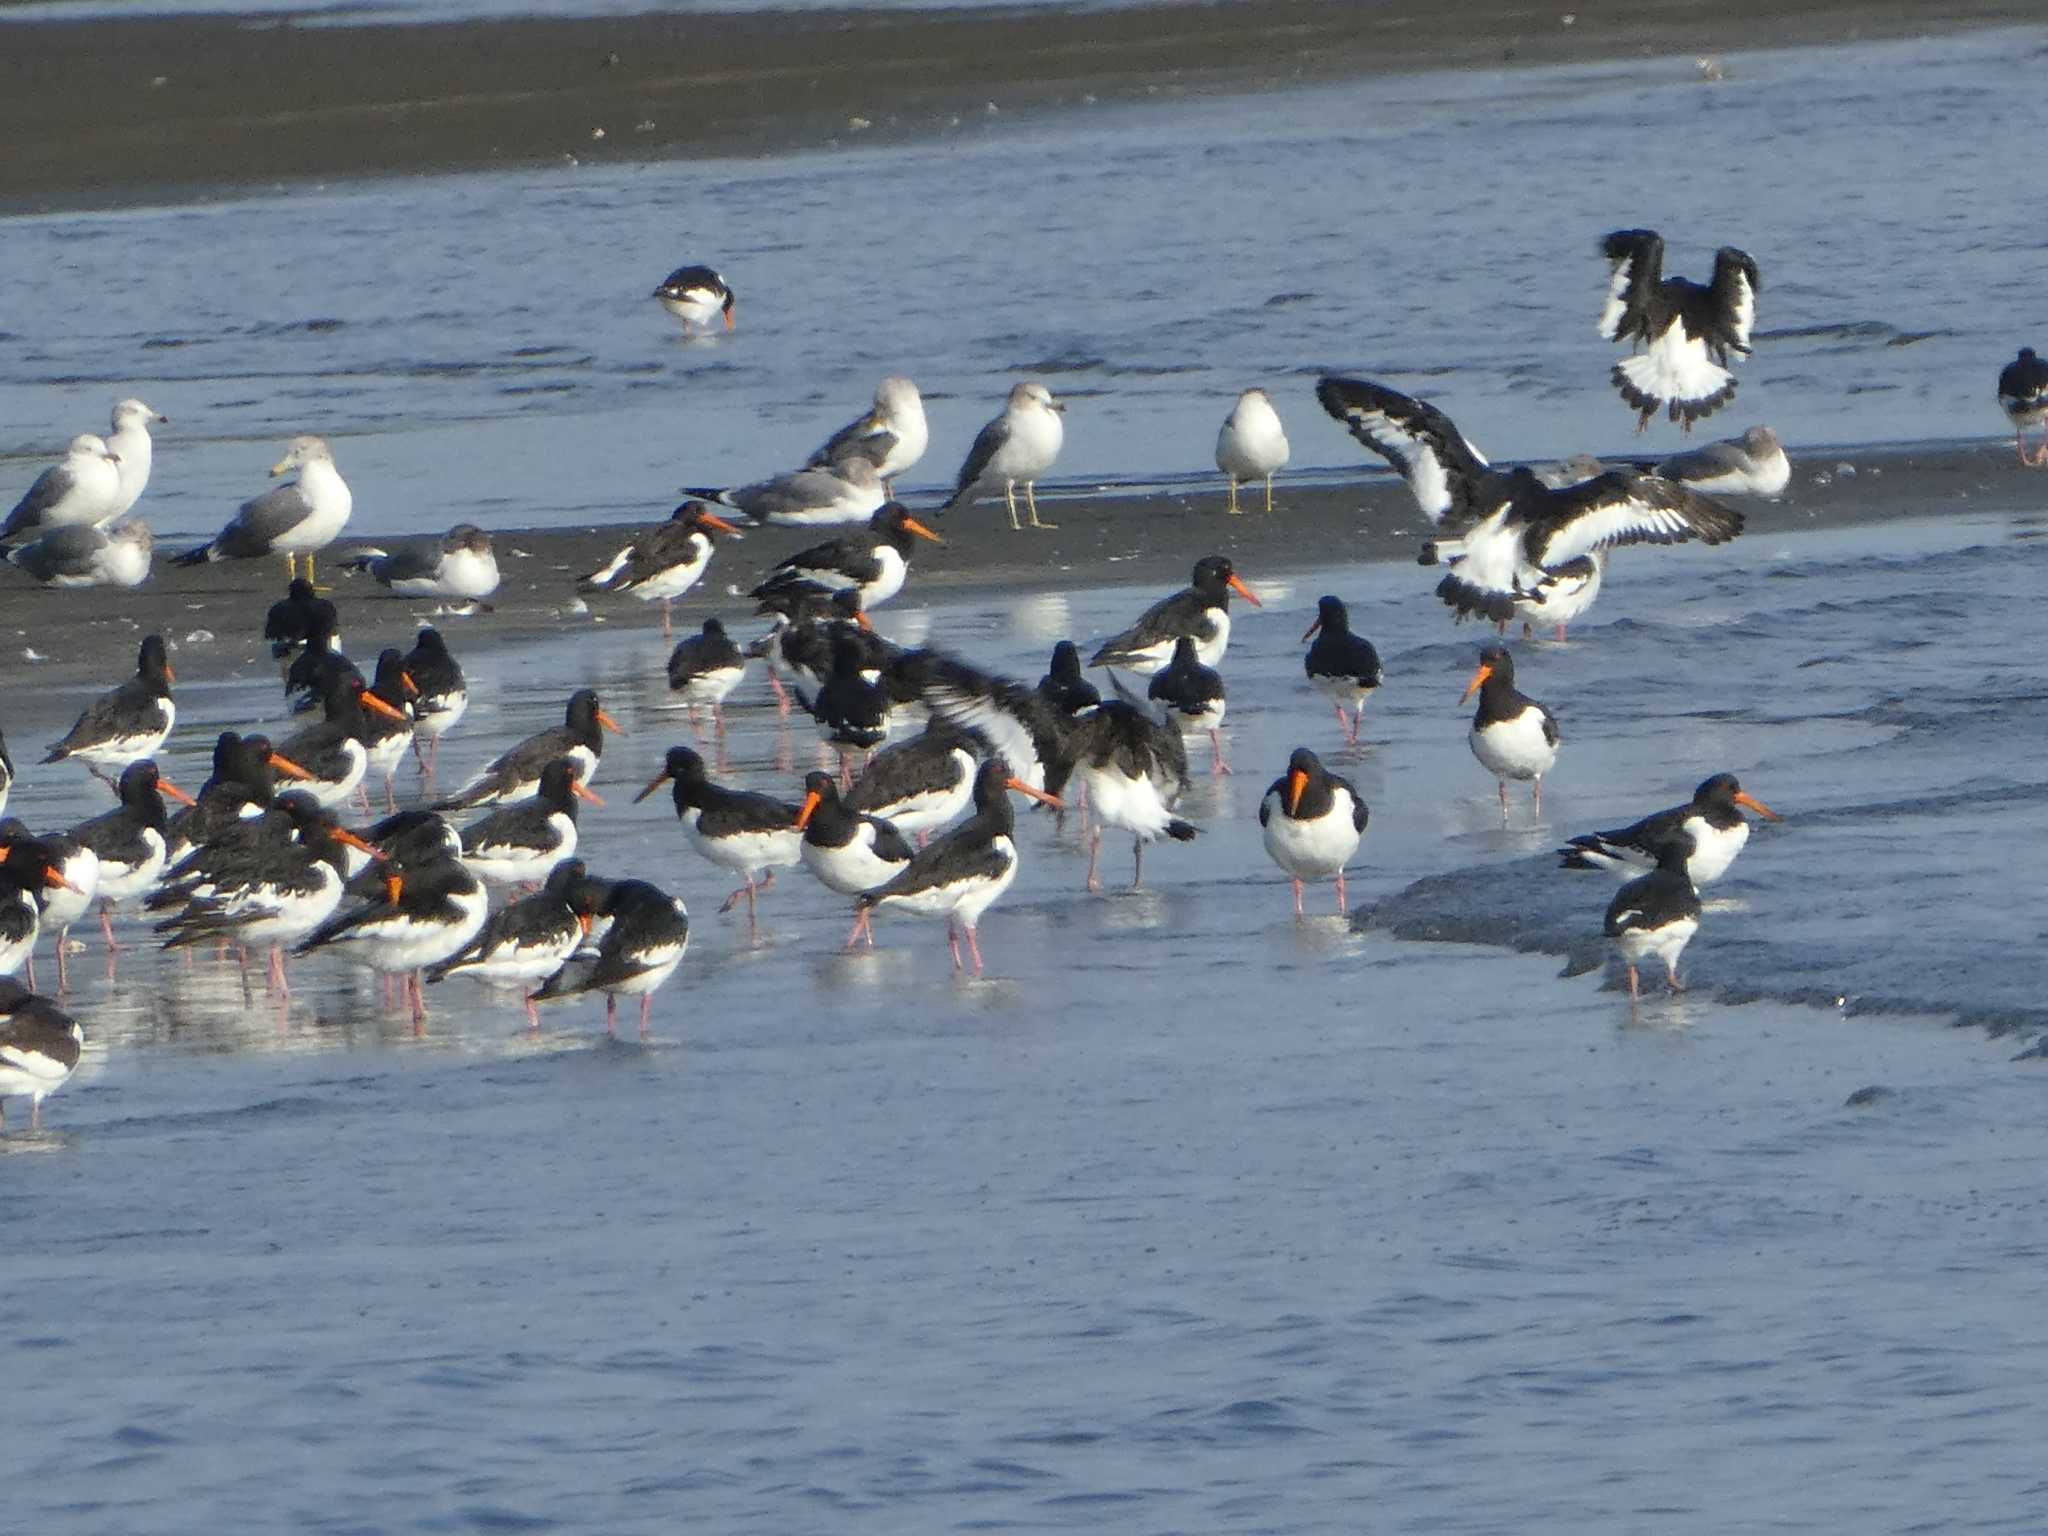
(1311, 850)
(1515, 749)
(747, 853)
(853, 869)
(1119, 800)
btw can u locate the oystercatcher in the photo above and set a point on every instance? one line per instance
(1191, 697)
(427, 913)
(129, 840)
(39, 1048)
(646, 934)
(531, 939)
(291, 620)
(1713, 819)
(1201, 609)
(703, 669)
(697, 296)
(128, 723)
(1688, 328)
(1513, 736)
(514, 774)
(333, 752)
(1312, 822)
(443, 695)
(520, 844)
(1342, 666)
(663, 562)
(919, 786)
(850, 851)
(752, 835)
(1656, 914)
(874, 565)
(2023, 395)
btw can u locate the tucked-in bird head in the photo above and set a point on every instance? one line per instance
(892, 521)
(135, 411)
(686, 770)
(698, 517)
(849, 656)
(897, 396)
(153, 664)
(1496, 666)
(1214, 575)
(300, 452)
(134, 531)
(231, 756)
(820, 789)
(300, 591)
(90, 445)
(1726, 789)
(1330, 615)
(714, 629)
(585, 716)
(1032, 395)
(1255, 393)
(563, 878)
(1674, 849)
(1303, 769)
(561, 782)
(428, 643)
(1762, 442)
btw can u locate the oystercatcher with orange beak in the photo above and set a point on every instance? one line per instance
(1312, 822)
(1200, 610)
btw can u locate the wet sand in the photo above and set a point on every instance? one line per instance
(99, 113)
(212, 615)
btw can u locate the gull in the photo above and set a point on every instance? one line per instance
(80, 555)
(1753, 464)
(81, 489)
(296, 519)
(461, 564)
(893, 436)
(1015, 449)
(135, 451)
(1252, 444)
(806, 498)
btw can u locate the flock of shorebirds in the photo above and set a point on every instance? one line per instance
(261, 858)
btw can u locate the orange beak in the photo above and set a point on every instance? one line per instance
(812, 800)
(166, 787)
(912, 525)
(1485, 671)
(584, 921)
(1743, 797)
(1297, 781)
(653, 784)
(713, 520)
(1243, 591)
(610, 724)
(348, 839)
(54, 879)
(377, 706)
(394, 887)
(861, 619)
(1036, 794)
(170, 673)
(576, 788)
(728, 319)
(1312, 628)
(287, 767)
(412, 689)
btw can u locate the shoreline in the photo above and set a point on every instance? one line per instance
(86, 641)
(194, 106)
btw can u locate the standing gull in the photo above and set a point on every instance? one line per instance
(134, 451)
(460, 564)
(892, 437)
(298, 518)
(2023, 393)
(80, 555)
(697, 296)
(84, 488)
(1252, 444)
(1015, 449)
(848, 492)
(1688, 328)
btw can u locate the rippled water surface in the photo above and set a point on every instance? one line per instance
(486, 346)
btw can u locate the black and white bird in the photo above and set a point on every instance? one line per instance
(1135, 771)
(424, 914)
(514, 774)
(1016, 449)
(703, 670)
(334, 752)
(66, 902)
(1312, 822)
(793, 612)
(1512, 735)
(301, 517)
(919, 786)
(29, 872)
(83, 488)
(2023, 396)
(40, 1045)
(663, 562)
(128, 723)
(753, 835)
(874, 564)
(850, 707)
(1201, 610)
(1191, 698)
(892, 436)
(529, 940)
(1252, 444)
(408, 839)
(460, 564)
(851, 852)
(959, 875)
(385, 738)
(1656, 915)
(293, 618)
(1754, 464)
(81, 555)
(320, 662)
(521, 844)
(1341, 666)
(805, 643)
(646, 935)
(129, 840)
(276, 890)
(442, 698)
(847, 492)
(1713, 819)
(1688, 329)
(697, 296)
(241, 787)
(1029, 734)
(1063, 686)
(6, 772)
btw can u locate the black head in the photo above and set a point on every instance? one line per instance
(230, 754)
(586, 717)
(1302, 760)
(1721, 789)
(2026, 354)
(392, 684)
(430, 643)
(845, 604)
(683, 768)
(563, 879)
(300, 591)
(1496, 670)
(1212, 571)
(1184, 652)
(821, 784)
(1332, 615)
(142, 788)
(714, 629)
(1066, 662)
(559, 785)
(1730, 262)
(153, 662)
(1674, 850)
(12, 830)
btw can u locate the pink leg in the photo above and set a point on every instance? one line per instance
(718, 721)
(611, 1015)
(1503, 799)
(1297, 900)
(1094, 853)
(781, 695)
(107, 926)
(646, 1014)
(1216, 763)
(1343, 897)
(1137, 864)
(31, 970)
(416, 994)
(64, 962)
(974, 949)
(953, 942)
(666, 631)
(1634, 989)
(532, 1015)
(861, 926)
(275, 980)
(391, 792)
(1560, 634)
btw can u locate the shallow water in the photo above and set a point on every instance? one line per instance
(485, 346)
(1190, 1214)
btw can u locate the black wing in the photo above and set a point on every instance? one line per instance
(1443, 470)
(1635, 269)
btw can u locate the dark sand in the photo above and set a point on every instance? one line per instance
(1150, 541)
(96, 113)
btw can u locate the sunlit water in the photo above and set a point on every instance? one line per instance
(1190, 1215)
(485, 346)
